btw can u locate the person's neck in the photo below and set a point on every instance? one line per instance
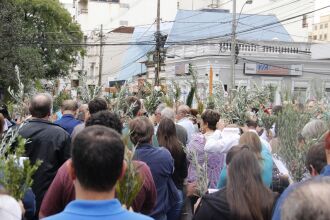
(45, 118)
(84, 194)
(67, 113)
(208, 131)
(327, 152)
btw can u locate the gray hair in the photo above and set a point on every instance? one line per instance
(314, 129)
(309, 201)
(160, 108)
(168, 113)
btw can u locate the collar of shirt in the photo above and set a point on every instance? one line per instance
(146, 145)
(325, 171)
(93, 207)
(182, 120)
(67, 116)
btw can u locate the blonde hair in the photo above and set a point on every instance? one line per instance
(253, 141)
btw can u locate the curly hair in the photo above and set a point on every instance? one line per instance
(107, 119)
(211, 117)
(96, 105)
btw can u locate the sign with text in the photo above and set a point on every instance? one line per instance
(273, 70)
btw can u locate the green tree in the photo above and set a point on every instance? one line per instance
(39, 37)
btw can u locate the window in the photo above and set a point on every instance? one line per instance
(325, 36)
(321, 26)
(320, 37)
(315, 27)
(326, 26)
(74, 83)
(315, 37)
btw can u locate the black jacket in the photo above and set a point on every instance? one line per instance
(49, 143)
(213, 206)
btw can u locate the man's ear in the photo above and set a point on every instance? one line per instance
(313, 171)
(123, 170)
(71, 170)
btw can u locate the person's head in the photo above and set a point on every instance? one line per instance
(316, 159)
(82, 112)
(314, 129)
(309, 201)
(96, 105)
(251, 124)
(232, 152)
(97, 159)
(277, 109)
(41, 105)
(158, 112)
(141, 130)
(253, 141)
(107, 119)
(134, 105)
(166, 135)
(247, 196)
(210, 119)
(2, 124)
(168, 113)
(69, 107)
(310, 104)
(9, 208)
(183, 111)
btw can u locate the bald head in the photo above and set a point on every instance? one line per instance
(40, 106)
(183, 111)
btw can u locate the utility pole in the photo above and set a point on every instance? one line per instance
(157, 70)
(233, 45)
(101, 56)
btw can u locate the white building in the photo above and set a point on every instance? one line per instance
(265, 56)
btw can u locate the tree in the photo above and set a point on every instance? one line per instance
(37, 36)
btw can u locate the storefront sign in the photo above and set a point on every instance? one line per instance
(274, 70)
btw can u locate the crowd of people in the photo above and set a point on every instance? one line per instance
(83, 158)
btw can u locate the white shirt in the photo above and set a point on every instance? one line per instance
(264, 134)
(222, 142)
(189, 126)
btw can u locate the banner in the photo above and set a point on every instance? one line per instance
(273, 70)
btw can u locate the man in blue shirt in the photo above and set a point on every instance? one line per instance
(318, 165)
(161, 164)
(69, 110)
(97, 164)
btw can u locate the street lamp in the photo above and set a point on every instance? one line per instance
(233, 39)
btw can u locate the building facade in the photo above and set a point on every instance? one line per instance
(321, 30)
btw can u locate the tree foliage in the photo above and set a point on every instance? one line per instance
(37, 36)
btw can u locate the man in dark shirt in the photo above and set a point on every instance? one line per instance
(46, 142)
(161, 164)
(69, 110)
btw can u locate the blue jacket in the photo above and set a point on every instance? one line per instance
(161, 166)
(267, 169)
(68, 123)
(278, 208)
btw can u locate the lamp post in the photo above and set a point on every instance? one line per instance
(233, 39)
